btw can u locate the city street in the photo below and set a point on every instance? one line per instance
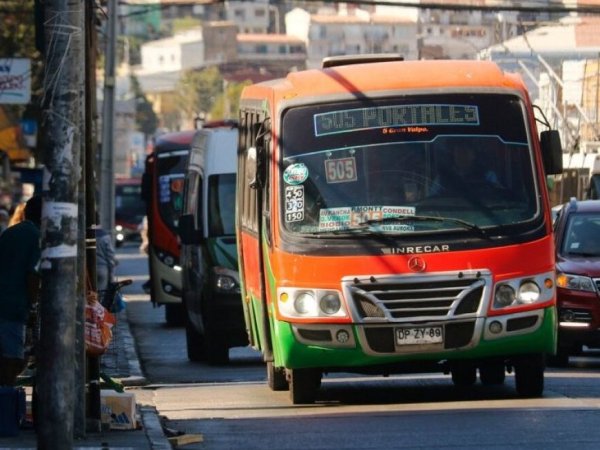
(232, 407)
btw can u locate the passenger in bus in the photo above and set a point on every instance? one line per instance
(462, 172)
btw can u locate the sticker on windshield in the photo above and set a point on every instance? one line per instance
(345, 218)
(170, 186)
(294, 203)
(340, 170)
(295, 174)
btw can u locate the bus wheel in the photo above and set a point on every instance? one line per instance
(175, 314)
(464, 374)
(492, 372)
(276, 378)
(529, 375)
(194, 342)
(304, 384)
(215, 347)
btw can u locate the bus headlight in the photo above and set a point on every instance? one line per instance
(529, 292)
(330, 303)
(505, 296)
(305, 304)
(310, 303)
(168, 259)
(225, 283)
(521, 292)
(226, 280)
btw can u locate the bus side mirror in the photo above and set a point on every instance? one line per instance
(252, 168)
(187, 230)
(551, 152)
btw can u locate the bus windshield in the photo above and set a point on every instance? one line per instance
(129, 209)
(221, 204)
(411, 164)
(170, 168)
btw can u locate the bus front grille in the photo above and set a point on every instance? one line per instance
(417, 298)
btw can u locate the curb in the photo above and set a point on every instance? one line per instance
(153, 428)
(148, 414)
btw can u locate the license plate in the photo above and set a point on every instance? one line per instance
(419, 335)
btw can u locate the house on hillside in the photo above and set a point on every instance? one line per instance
(552, 60)
(355, 31)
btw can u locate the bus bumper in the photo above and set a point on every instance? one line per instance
(345, 346)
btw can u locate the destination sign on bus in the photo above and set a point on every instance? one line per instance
(345, 121)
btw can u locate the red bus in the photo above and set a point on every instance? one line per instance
(162, 191)
(129, 210)
(364, 248)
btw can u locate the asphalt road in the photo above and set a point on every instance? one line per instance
(231, 406)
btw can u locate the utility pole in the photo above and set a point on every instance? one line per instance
(107, 186)
(62, 139)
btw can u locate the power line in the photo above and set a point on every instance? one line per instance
(531, 7)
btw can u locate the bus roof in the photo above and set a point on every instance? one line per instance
(383, 76)
(173, 141)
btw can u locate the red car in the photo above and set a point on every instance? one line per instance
(577, 236)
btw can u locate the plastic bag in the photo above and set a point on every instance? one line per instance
(98, 326)
(118, 304)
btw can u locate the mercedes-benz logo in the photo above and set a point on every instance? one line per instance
(416, 264)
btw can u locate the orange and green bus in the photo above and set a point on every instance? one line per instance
(364, 247)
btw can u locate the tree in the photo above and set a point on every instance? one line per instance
(197, 92)
(145, 117)
(18, 40)
(231, 102)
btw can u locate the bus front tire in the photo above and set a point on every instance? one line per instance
(194, 342)
(276, 378)
(175, 314)
(215, 348)
(303, 384)
(529, 375)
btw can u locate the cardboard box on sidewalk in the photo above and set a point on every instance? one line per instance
(118, 409)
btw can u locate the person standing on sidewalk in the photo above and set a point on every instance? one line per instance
(106, 259)
(19, 288)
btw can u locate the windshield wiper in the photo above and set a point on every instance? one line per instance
(403, 219)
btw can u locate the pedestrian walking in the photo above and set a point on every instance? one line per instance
(19, 288)
(144, 248)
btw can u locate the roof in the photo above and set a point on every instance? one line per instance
(569, 37)
(174, 140)
(585, 206)
(193, 35)
(268, 38)
(424, 74)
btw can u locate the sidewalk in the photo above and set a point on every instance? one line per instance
(121, 363)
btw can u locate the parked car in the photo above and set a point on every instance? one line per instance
(577, 236)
